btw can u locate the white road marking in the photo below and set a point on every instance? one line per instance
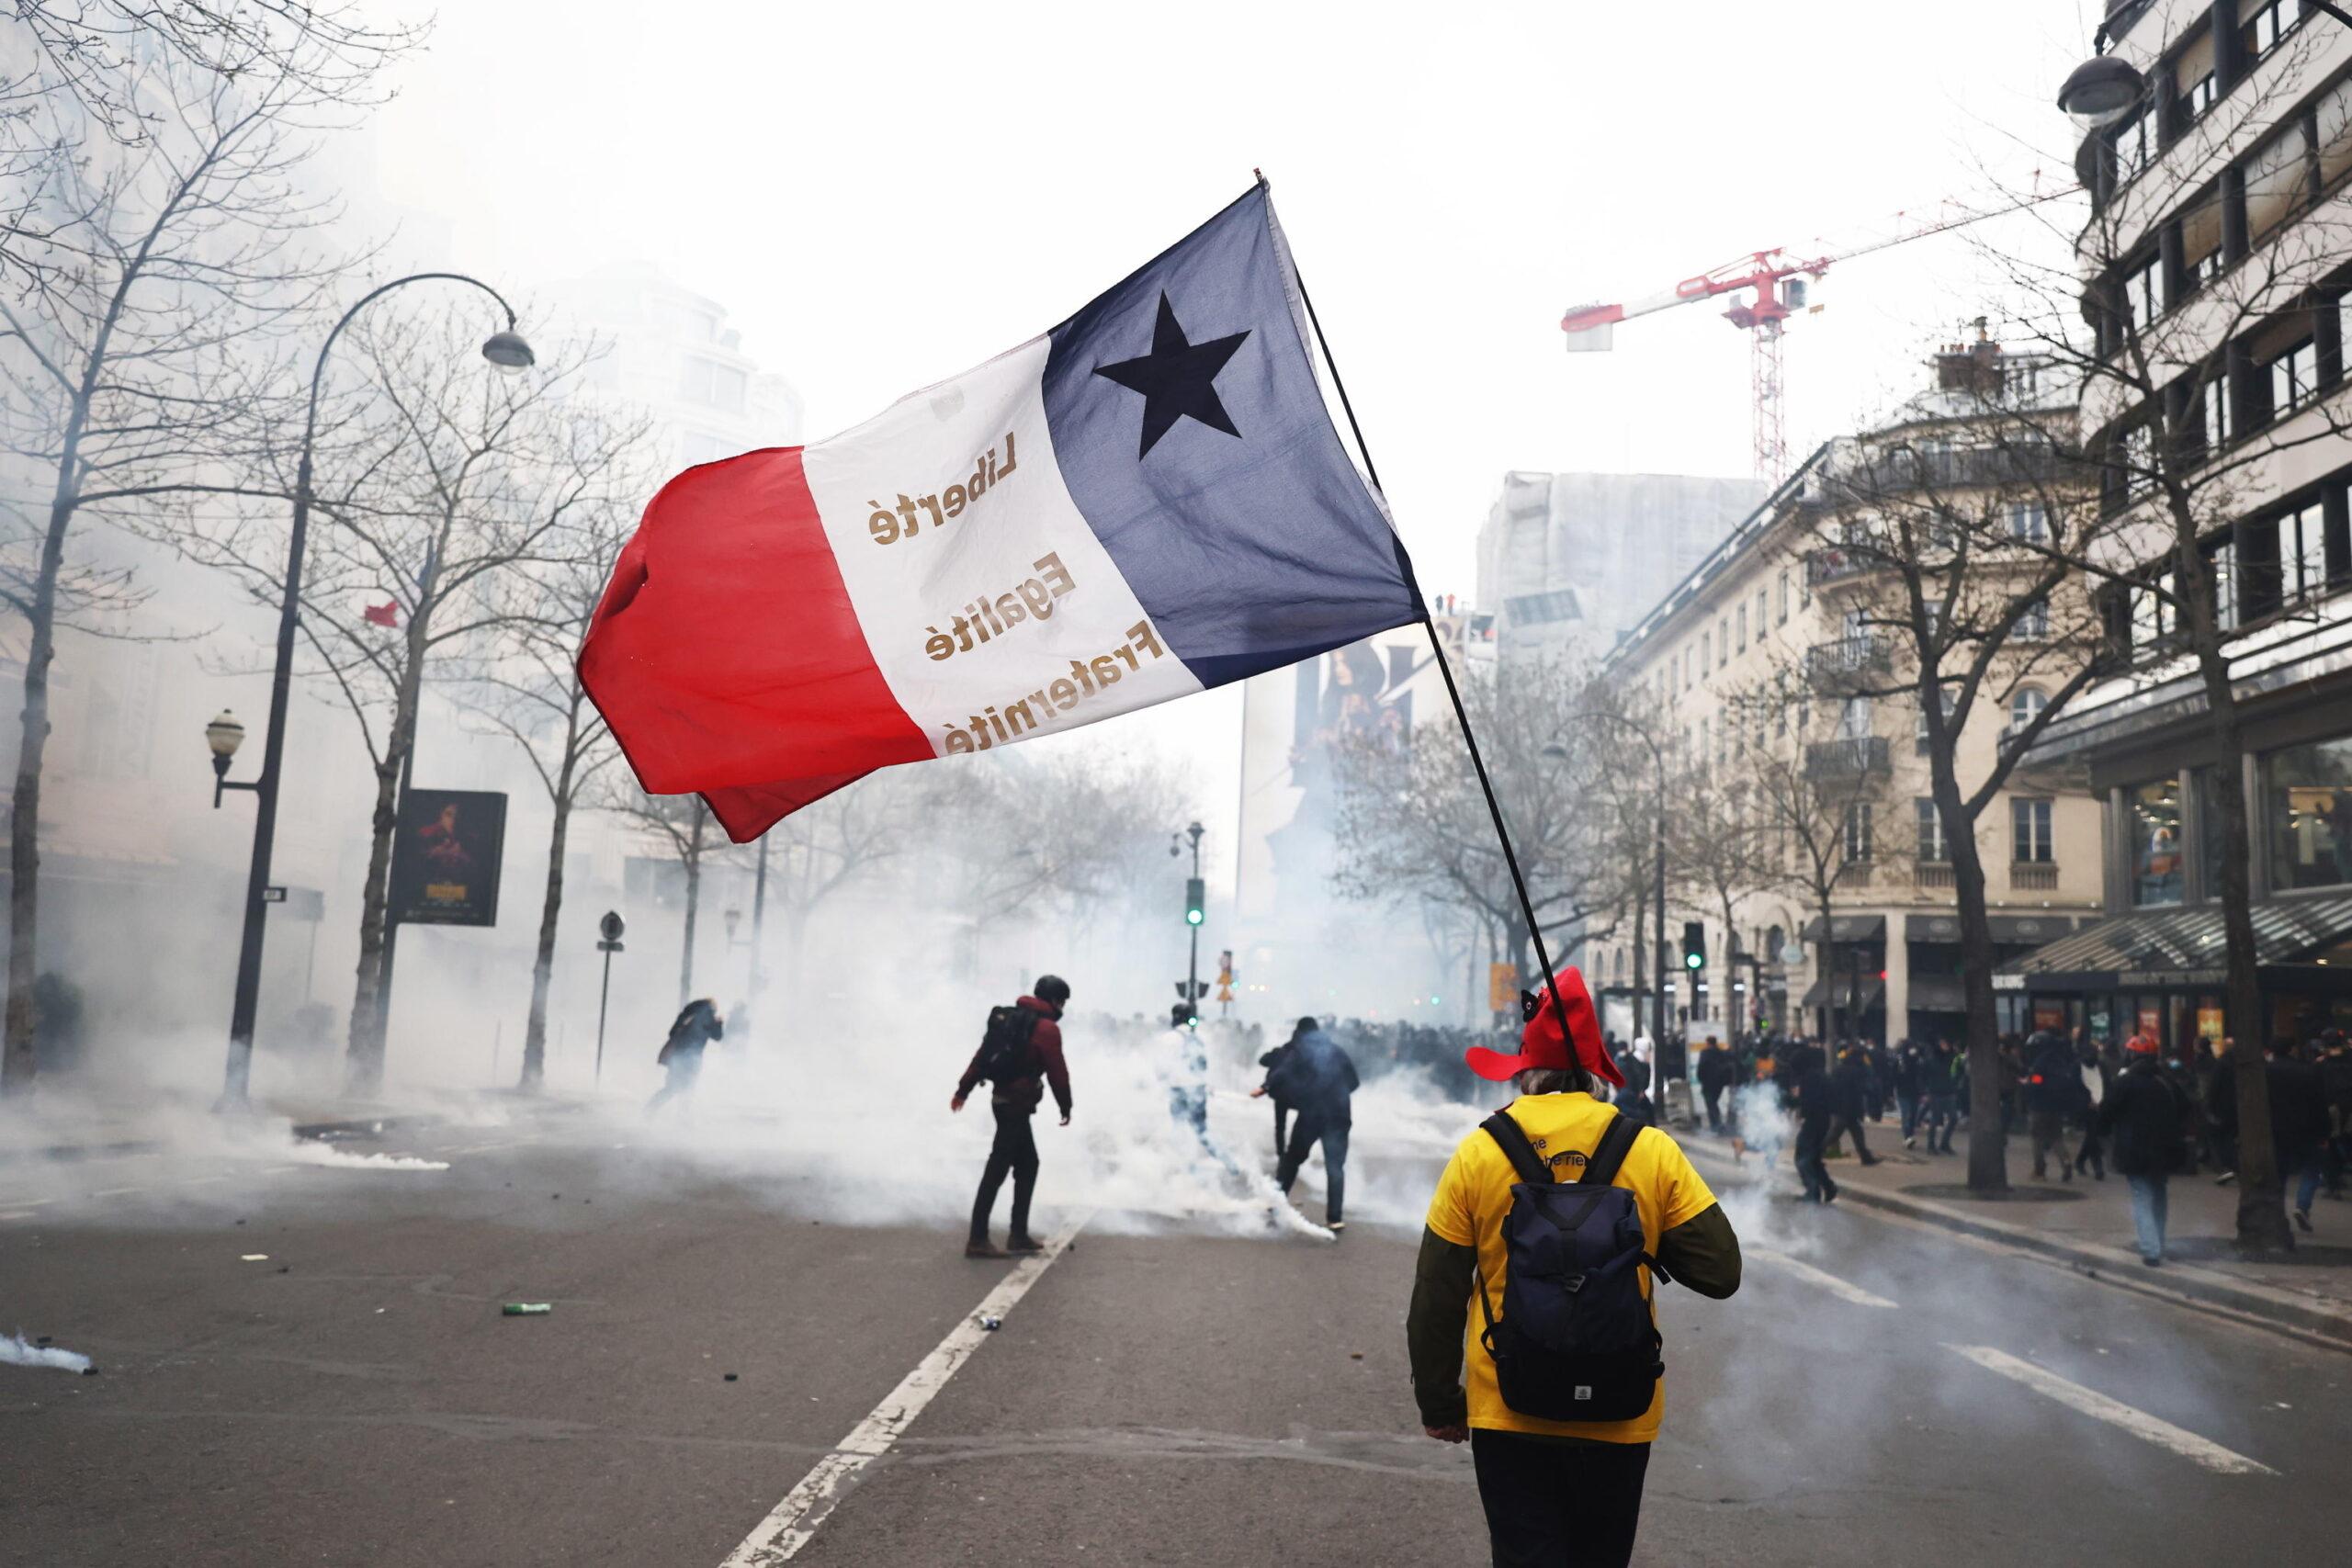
(2139, 1423)
(117, 1191)
(16, 1214)
(1828, 1282)
(793, 1522)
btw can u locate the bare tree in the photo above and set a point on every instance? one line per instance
(2207, 341)
(528, 685)
(138, 335)
(440, 477)
(1067, 831)
(1720, 846)
(1411, 821)
(1943, 538)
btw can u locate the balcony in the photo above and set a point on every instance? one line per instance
(1847, 759)
(1931, 874)
(1824, 567)
(2033, 876)
(1831, 665)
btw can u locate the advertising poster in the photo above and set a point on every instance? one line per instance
(446, 853)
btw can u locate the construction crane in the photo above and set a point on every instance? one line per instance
(1780, 281)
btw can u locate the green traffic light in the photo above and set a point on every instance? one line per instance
(1192, 917)
(1693, 961)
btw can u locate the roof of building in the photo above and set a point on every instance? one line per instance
(2192, 938)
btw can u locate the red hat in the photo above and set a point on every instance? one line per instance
(1543, 1044)
(2140, 1045)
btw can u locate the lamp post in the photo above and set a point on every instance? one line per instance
(1657, 760)
(510, 354)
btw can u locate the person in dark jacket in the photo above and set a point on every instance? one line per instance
(1319, 1080)
(1850, 1094)
(1015, 1098)
(1806, 1089)
(2335, 1091)
(1939, 1096)
(2053, 1082)
(697, 1026)
(2146, 1122)
(1715, 1075)
(2297, 1121)
(1269, 1061)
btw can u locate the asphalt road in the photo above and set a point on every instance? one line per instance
(1875, 1392)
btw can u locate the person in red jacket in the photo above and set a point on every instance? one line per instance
(1015, 1095)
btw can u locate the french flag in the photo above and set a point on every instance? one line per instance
(1148, 501)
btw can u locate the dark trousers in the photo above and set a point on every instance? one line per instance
(1015, 1150)
(1281, 1127)
(1909, 1105)
(1304, 1134)
(1714, 1093)
(1813, 1136)
(1559, 1505)
(1847, 1124)
(2049, 1130)
(1938, 1116)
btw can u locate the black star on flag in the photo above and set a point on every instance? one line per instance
(1177, 379)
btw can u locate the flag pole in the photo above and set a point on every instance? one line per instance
(1445, 668)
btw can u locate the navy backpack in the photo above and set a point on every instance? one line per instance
(1576, 1341)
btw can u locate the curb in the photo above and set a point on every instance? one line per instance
(2306, 1315)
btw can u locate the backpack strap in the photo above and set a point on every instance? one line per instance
(1522, 1153)
(1610, 1153)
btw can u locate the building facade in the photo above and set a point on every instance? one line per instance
(1730, 671)
(2220, 251)
(1568, 562)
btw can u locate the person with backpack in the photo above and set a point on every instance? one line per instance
(697, 1024)
(1019, 1055)
(2150, 1123)
(1319, 1081)
(1559, 1215)
(2053, 1082)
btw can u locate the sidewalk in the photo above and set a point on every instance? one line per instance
(78, 1128)
(2086, 1224)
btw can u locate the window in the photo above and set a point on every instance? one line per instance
(1933, 848)
(2141, 304)
(2200, 241)
(2311, 814)
(1761, 617)
(720, 386)
(2277, 181)
(2033, 622)
(2216, 412)
(2336, 133)
(2303, 553)
(1703, 646)
(696, 446)
(2156, 614)
(1743, 625)
(1919, 720)
(2156, 843)
(2137, 460)
(1723, 644)
(2134, 146)
(1858, 829)
(1854, 719)
(2224, 556)
(2029, 522)
(1935, 617)
(2026, 707)
(2192, 77)
(2267, 22)
(2029, 830)
(2294, 376)
(1785, 596)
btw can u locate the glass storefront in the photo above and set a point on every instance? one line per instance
(2156, 864)
(2310, 790)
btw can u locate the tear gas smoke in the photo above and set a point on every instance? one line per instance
(17, 1351)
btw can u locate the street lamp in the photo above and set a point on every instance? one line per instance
(224, 735)
(2101, 90)
(511, 354)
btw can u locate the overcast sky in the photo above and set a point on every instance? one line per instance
(885, 194)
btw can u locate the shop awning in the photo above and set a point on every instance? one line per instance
(2027, 931)
(2187, 945)
(1836, 993)
(1848, 928)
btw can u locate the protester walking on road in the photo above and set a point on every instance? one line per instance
(1020, 1053)
(1805, 1088)
(2147, 1120)
(1274, 1059)
(1939, 1096)
(1319, 1081)
(1906, 1073)
(2053, 1083)
(1850, 1088)
(697, 1026)
(1716, 1073)
(1557, 1490)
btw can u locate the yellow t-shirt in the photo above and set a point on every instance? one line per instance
(1474, 1195)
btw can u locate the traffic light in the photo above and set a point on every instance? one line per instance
(1694, 945)
(1195, 895)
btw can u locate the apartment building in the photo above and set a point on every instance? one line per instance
(1774, 609)
(2220, 254)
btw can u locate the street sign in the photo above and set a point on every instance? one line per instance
(608, 947)
(1502, 987)
(611, 925)
(1192, 991)
(273, 895)
(1792, 953)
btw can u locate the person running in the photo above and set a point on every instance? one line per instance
(1715, 1075)
(1553, 1491)
(2053, 1082)
(1319, 1081)
(2148, 1121)
(1806, 1089)
(1272, 1060)
(1849, 1092)
(697, 1026)
(1020, 1055)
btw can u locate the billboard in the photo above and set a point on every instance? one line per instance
(447, 848)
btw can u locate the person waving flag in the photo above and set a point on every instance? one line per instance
(1148, 500)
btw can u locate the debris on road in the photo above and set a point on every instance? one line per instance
(16, 1351)
(527, 1309)
(991, 1323)
(253, 1258)
(322, 1154)
(730, 1377)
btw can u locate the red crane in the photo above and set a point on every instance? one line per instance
(1779, 281)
